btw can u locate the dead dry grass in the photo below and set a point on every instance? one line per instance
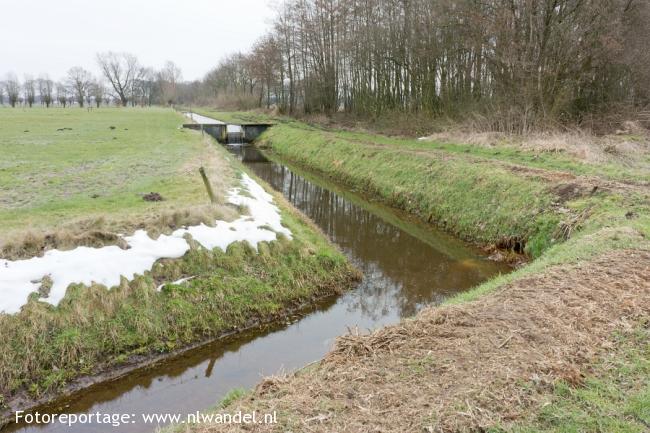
(564, 185)
(629, 146)
(464, 367)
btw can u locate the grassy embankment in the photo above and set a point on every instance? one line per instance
(564, 212)
(493, 196)
(83, 185)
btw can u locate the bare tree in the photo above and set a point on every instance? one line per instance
(120, 70)
(636, 40)
(30, 90)
(62, 94)
(12, 87)
(98, 91)
(78, 81)
(45, 90)
(169, 77)
(144, 87)
(266, 66)
(2, 93)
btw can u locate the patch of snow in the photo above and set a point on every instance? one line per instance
(203, 120)
(107, 264)
(233, 128)
(181, 281)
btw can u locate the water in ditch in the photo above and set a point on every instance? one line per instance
(406, 265)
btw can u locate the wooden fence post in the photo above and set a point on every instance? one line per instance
(208, 187)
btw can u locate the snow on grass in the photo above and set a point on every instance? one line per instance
(106, 265)
(177, 282)
(203, 119)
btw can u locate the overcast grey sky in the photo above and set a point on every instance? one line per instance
(50, 36)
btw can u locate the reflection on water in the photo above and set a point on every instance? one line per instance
(405, 265)
(401, 272)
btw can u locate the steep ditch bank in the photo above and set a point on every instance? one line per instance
(520, 207)
(107, 374)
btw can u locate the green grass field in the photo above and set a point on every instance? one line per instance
(614, 397)
(102, 164)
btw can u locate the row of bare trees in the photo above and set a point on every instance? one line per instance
(517, 63)
(79, 86)
(131, 82)
(123, 81)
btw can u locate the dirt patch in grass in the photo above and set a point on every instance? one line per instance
(572, 190)
(152, 196)
(465, 367)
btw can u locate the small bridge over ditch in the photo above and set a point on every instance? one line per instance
(227, 132)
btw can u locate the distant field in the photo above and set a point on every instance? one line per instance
(62, 164)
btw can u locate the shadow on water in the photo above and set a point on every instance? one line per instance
(406, 265)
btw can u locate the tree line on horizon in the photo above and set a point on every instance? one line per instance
(514, 64)
(506, 65)
(122, 81)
